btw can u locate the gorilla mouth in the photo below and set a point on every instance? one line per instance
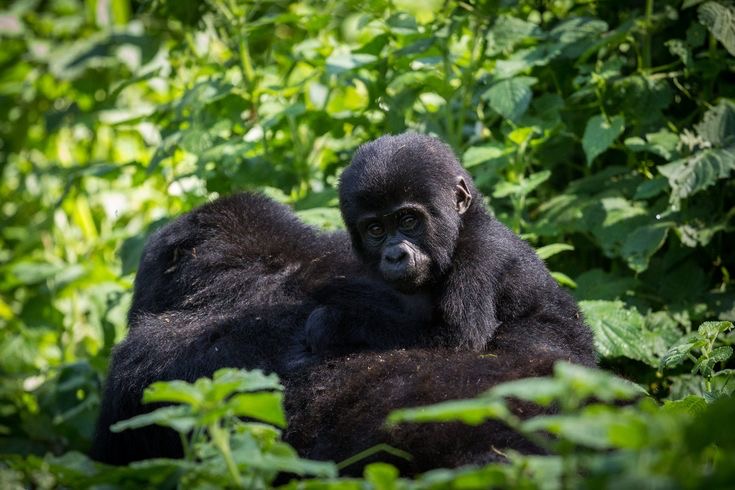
(407, 278)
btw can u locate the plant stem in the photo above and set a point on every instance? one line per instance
(647, 37)
(220, 439)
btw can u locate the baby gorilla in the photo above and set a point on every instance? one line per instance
(416, 219)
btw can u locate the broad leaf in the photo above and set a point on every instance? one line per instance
(699, 171)
(510, 98)
(720, 20)
(640, 245)
(618, 330)
(600, 134)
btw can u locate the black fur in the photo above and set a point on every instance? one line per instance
(231, 284)
(241, 282)
(485, 280)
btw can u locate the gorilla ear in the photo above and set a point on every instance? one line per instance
(462, 196)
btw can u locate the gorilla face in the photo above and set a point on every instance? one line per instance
(395, 241)
(403, 199)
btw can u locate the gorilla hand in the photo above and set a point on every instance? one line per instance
(365, 315)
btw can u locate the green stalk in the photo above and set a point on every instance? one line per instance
(220, 439)
(647, 37)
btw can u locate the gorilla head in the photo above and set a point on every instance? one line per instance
(403, 199)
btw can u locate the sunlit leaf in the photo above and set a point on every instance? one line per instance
(511, 98)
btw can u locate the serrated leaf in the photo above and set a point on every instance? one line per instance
(711, 330)
(721, 354)
(509, 31)
(691, 405)
(577, 29)
(718, 125)
(510, 98)
(677, 353)
(720, 20)
(699, 171)
(618, 330)
(599, 135)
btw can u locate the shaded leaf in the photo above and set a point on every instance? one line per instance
(720, 20)
(599, 135)
(640, 245)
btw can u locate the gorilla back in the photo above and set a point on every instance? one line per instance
(231, 284)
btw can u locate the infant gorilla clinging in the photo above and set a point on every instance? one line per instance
(241, 282)
(416, 219)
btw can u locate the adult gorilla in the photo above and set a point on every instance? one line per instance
(241, 282)
(231, 284)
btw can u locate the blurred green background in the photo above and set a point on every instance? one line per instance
(602, 132)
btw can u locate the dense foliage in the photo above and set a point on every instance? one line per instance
(603, 132)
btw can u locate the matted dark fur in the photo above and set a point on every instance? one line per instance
(241, 282)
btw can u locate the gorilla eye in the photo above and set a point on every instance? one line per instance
(408, 221)
(375, 230)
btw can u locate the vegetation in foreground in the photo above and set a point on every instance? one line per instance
(604, 133)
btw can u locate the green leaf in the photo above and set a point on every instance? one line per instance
(599, 135)
(179, 417)
(340, 61)
(423, 10)
(381, 475)
(720, 20)
(471, 412)
(550, 250)
(542, 391)
(692, 405)
(597, 284)
(267, 407)
(721, 354)
(651, 188)
(597, 426)
(475, 155)
(587, 382)
(173, 392)
(508, 31)
(617, 330)
(510, 98)
(662, 143)
(699, 171)
(718, 125)
(563, 279)
(640, 245)
(241, 380)
(711, 330)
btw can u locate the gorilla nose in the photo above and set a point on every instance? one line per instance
(395, 256)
